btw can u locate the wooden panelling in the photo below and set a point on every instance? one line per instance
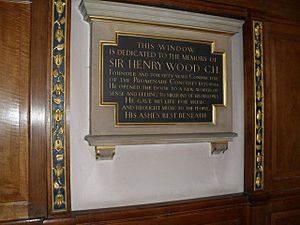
(260, 215)
(228, 216)
(286, 10)
(270, 9)
(18, 1)
(39, 108)
(241, 3)
(286, 52)
(195, 6)
(288, 201)
(283, 99)
(14, 104)
(223, 210)
(24, 222)
(24, 122)
(286, 218)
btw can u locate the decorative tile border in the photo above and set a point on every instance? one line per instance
(259, 106)
(58, 106)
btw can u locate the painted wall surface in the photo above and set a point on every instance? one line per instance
(146, 173)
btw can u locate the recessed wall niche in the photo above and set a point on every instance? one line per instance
(159, 76)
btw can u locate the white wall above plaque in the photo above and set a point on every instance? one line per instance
(159, 76)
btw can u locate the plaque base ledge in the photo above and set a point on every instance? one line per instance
(139, 139)
(105, 144)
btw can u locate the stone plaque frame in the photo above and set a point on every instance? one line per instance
(108, 19)
(115, 43)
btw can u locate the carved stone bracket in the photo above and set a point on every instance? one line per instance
(219, 147)
(105, 152)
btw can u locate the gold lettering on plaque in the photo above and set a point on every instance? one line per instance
(161, 80)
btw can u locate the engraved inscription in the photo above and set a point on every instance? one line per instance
(157, 80)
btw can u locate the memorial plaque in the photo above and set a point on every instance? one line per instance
(161, 80)
(160, 76)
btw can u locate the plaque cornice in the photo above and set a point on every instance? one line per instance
(104, 10)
